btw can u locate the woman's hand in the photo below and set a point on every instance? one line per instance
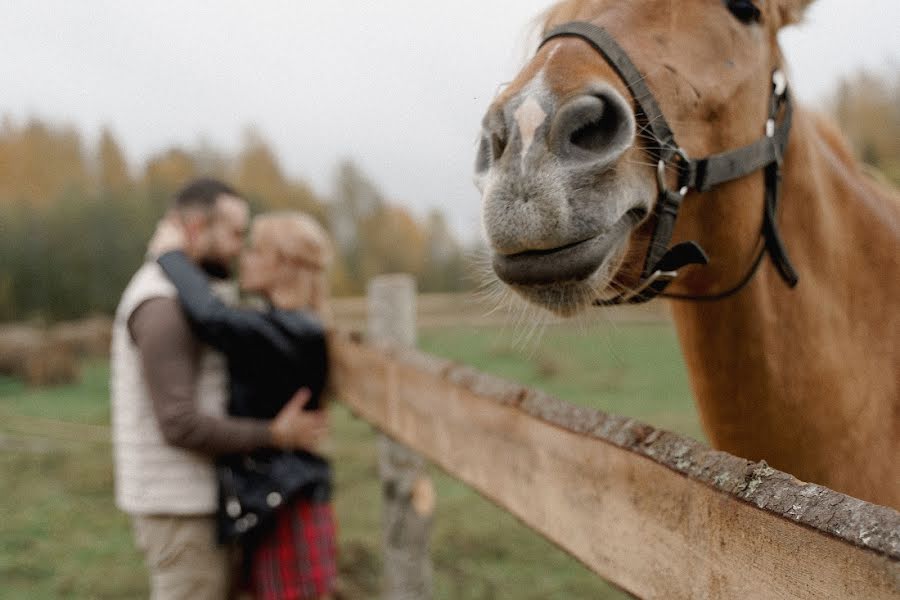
(296, 429)
(169, 236)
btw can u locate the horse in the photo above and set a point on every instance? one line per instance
(651, 148)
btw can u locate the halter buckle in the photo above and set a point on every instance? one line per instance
(683, 174)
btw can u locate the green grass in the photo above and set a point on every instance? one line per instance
(633, 370)
(87, 402)
(61, 536)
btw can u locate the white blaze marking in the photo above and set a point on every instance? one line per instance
(529, 116)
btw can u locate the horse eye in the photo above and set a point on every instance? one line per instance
(745, 10)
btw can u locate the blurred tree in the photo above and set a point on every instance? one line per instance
(258, 173)
(170, 169)
(209, 160)
(374, 237)
(445, 263)
(40, 162)
(75, 230)
(259, 176)
(165, 173)
(8, 163)
(866, 106)
(390, 241)
(355, 200)
(113, 169)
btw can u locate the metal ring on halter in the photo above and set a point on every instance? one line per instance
(654, 277)
(661, 172)
(779, 81)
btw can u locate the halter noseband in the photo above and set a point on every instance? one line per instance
(662, 263)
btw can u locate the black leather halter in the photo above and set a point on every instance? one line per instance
(662, 262)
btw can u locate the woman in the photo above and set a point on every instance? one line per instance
(276, 503)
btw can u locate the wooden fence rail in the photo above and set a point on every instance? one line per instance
(657, 514)
(474, 309)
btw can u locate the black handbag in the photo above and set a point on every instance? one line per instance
(253, 487)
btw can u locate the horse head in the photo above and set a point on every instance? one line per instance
(568, 171)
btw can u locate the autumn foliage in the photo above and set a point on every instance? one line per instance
(75, 218)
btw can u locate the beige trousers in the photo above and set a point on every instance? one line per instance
(183, 558)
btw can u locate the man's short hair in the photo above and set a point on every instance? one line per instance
(202, 194)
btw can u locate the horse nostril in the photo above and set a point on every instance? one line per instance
(597, 126)
(594, 135)
(498, 145)
(490, 149)
(494, 139)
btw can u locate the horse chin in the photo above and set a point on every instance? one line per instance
(563, 299)
(567, 280)
(567, 298)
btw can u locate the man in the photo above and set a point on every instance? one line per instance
(168, 409)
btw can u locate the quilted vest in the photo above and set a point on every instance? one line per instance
(151, 476)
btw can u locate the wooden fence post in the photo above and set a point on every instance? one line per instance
(407, 491)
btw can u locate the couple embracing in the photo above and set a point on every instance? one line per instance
(216, 408)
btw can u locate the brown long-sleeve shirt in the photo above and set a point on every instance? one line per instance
(170, 357)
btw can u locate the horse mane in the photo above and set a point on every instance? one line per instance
(564, 11)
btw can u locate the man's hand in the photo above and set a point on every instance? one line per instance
(296, 429)
(169, 235)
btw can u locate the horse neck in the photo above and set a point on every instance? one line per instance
(774, 367)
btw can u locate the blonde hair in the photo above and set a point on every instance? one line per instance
(306, 254)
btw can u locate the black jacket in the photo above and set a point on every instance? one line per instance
(271, 354)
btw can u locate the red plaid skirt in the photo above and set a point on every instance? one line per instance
(297, 558)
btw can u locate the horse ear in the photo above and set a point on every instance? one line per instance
(791, 11)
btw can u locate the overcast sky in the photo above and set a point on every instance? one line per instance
(397, 85)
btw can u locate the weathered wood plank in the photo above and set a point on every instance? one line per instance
(657, 514)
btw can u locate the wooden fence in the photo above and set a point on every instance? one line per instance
(474, 309)
(657, 514)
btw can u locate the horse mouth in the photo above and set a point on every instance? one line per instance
(573, 262)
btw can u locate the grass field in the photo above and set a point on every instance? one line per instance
(61, 537)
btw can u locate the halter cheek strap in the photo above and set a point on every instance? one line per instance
(662, 263)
